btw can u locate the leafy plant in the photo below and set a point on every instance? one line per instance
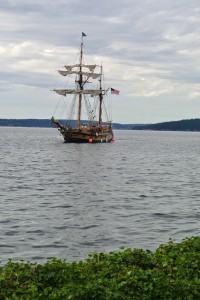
(171, 272)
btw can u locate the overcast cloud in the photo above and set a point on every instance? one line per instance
(150, 50)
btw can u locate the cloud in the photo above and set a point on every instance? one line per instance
(149, 48)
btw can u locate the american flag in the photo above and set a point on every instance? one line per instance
(113, 91)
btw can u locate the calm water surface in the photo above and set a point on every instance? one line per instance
(67, 200)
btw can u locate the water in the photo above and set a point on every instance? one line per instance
(67, 200)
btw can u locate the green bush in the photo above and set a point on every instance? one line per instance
(171, 272)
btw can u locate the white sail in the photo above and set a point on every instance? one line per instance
(92, 75)
(64, 73)
(64, 92)
(90, 67)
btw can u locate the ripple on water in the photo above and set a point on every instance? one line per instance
(61, 200)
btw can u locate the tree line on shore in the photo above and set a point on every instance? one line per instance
(182, 125)
(46, 123)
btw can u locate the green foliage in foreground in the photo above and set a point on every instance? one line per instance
(171, 272)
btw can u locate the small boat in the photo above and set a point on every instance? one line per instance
(87, 95)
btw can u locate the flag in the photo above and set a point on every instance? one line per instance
(83, 34)
(113, 91)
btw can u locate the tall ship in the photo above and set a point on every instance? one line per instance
(86, 105)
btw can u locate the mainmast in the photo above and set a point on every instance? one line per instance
(100, 99)
(80, 81)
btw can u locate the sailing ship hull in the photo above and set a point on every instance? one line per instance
(87, 136)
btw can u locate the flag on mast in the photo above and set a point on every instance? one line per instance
(83, 34)
(113, 91)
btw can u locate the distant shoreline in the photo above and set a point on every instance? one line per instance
(182, 125)
(46, 123)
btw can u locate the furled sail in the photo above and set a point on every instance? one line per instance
(77, 92)
(93, 75)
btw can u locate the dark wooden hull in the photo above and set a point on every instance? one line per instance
(82, 136)
(88, 134)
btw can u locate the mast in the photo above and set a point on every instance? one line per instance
(100, 98)
(80, 81)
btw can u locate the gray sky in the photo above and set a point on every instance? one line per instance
(150, 50)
